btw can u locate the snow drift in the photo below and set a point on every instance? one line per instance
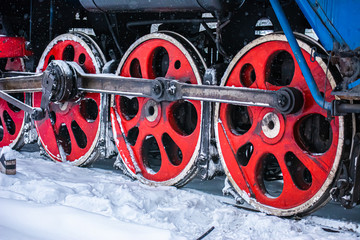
(47, 200)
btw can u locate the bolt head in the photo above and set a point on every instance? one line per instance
(282, 101)
(157, 88)
(172, 90)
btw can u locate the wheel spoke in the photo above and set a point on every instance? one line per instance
(74, 147)
(183, 142)
(286, 187)
(50, 143)
(238, 132)
(289, 187)
(314, 163)
(78, 118)
(144, 133)
(134, 121)
(166, 165)
(251, 171)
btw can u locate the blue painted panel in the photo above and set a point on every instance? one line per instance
(345, 17)
(334, 20)
(324, 35)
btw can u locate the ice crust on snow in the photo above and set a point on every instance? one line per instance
(48, 200)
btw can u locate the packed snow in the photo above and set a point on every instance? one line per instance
(47, 200)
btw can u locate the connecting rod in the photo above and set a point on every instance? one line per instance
(63, 81)
(286, 100)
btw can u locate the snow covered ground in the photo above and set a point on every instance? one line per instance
(47, 200)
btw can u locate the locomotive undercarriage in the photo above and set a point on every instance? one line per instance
(171, 117)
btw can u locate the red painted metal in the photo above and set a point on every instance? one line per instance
(71, 111)
(12, 122)
(179, 68)
(15, 64)
(249, 178)
(12, 47)
(12, 118)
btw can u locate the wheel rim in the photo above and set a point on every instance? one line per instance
(71, 129)
(280, 164)
(158, 144)
(12, 121)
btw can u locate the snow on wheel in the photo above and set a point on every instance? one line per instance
(280, 164)
(71, 129)
(159, 142)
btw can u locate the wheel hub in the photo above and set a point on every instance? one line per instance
(152, 111)
(270, 125)
(60, 81)
(64, 106)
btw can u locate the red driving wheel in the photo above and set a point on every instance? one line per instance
(158, 142)
(281, 164)
(71, 129)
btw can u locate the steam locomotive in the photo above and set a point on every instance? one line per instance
(265, 91)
